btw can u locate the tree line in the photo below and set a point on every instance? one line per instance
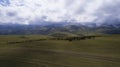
(25, 41)
(56, 38)
(74, 38)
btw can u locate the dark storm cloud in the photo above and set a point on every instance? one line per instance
(11, 14)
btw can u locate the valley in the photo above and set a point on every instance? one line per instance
(99, 52)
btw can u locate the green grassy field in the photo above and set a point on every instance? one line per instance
(99, 52)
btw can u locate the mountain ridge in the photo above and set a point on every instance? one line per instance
(48, 28)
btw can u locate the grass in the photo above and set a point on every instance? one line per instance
(98, 52)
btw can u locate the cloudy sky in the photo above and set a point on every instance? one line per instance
(81, 11)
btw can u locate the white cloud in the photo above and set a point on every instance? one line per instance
(25, 11)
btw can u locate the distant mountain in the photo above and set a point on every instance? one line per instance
(49, 28)
(110, 28)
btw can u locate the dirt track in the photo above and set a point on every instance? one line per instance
(85, 55)
(72, 53)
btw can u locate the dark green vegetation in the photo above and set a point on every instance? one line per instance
(42, 51)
